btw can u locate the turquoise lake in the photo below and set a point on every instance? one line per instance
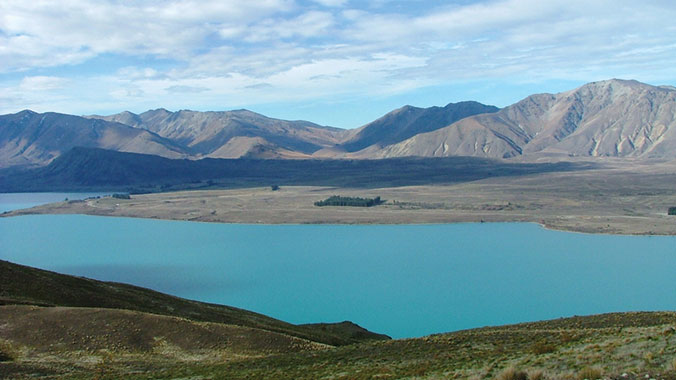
(403, 280)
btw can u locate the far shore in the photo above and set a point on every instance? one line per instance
(629, 202)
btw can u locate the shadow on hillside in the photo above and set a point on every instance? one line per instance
(97, 169)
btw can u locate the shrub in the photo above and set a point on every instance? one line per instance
(671, 211)
(512, 374)
(274, 187)
(4, 356)
(121, 196)
(542, 347)
(536, 374)
(589, 373)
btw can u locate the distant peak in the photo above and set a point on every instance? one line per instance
(244, 111)
(406, 108)
(469, 103)
(157, 111)
(616, 82)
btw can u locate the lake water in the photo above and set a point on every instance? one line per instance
(16, 201)
(404, 281)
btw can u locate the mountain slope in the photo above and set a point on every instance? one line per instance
(233, 134)
(98, 169)
(409, 121)
(32, 139)
(615, 118)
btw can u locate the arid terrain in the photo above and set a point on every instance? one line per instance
(618, 199)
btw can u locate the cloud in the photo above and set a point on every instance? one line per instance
(311, 24)
(231, 53)
(186, 89)
(331, 3)
(45, 33)
(42, 83)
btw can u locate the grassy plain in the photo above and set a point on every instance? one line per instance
(616, 199)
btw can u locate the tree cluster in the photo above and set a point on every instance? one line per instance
(337, 200)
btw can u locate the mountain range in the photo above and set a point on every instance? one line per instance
(612, 118)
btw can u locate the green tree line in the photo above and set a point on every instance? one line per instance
(337, 200)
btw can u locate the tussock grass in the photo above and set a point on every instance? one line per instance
(512, 373)
(590, 373)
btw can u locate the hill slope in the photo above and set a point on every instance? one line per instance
(614, 118)
(113, 343)
(29, 286)
(32, 139)
(91, 169)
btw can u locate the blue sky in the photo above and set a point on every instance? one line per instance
(334, 62)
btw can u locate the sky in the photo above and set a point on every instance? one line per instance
(341, 63)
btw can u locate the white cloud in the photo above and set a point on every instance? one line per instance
(42, 83)
(47, 33)
(237, 53)
(331, 3)
(307, 25)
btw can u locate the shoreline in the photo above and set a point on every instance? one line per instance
(293, 205)
(375, 223)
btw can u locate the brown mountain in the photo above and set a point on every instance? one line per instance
(409, 121)
(616, 118)
(32, 139)
(234, 134)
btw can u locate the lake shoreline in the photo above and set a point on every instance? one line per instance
(462, 203)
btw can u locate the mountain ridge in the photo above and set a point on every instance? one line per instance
(415, 120)
(29, 139)
(613, 118)
(207, 134)
(610, 118)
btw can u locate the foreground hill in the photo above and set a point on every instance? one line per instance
(234, 134)
(613, 118)
(29, 286)
(32, 139)
(86, 342)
